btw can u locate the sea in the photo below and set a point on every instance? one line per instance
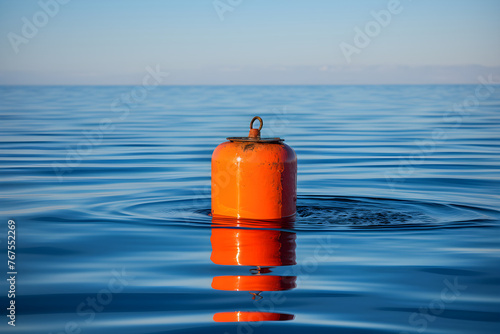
(106, 193)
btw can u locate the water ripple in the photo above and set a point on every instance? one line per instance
(313, 213)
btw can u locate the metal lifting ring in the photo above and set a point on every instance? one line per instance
(260, 120)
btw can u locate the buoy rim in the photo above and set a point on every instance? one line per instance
(255, 139)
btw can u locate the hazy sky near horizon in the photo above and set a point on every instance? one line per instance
(249, 41)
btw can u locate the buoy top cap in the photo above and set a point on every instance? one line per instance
(254, 134)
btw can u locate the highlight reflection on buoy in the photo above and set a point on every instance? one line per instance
(261, 244)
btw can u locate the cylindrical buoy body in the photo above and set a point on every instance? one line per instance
(254, 178)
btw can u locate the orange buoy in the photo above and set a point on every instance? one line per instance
(254, 177)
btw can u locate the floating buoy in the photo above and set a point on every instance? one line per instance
(254, 177)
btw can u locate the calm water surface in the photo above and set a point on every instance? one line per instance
(397, 231)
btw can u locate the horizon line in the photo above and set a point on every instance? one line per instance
(230, 85)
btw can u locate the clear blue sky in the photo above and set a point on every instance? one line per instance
(257, 42)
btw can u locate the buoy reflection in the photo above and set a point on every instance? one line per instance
(240, 316)
(260, 244)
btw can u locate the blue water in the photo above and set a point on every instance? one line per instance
(397, 230)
